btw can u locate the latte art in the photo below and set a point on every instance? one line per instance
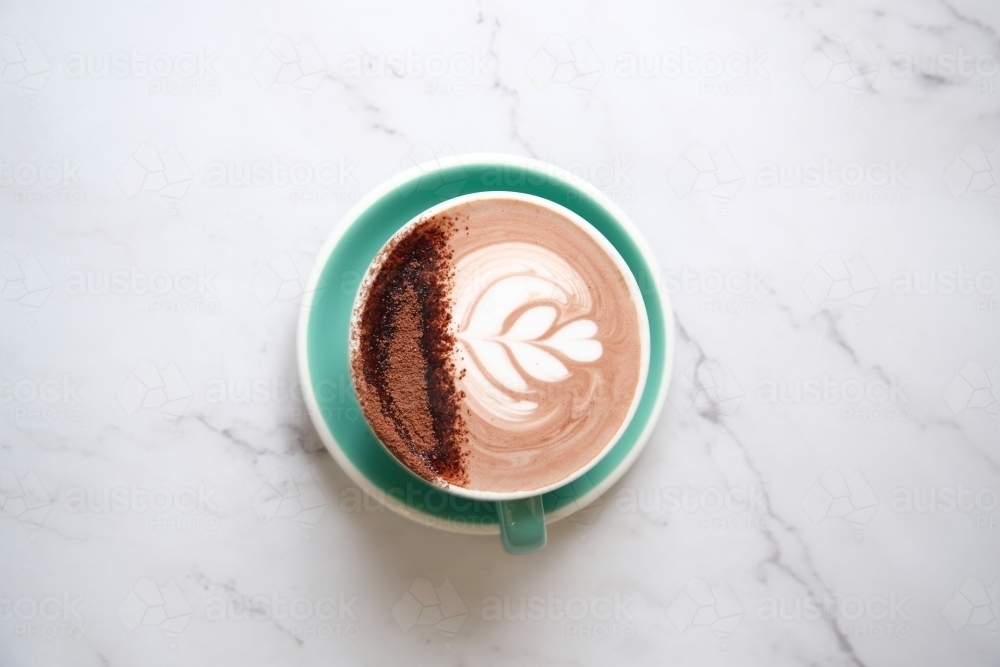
(497, 346)
(520, 312)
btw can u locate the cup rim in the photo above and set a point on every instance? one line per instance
(412, 174)
(633, 287)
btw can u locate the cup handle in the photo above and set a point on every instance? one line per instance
(522, 524)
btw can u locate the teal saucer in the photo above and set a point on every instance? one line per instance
(326, 312)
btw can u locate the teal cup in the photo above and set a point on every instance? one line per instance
(324, 332)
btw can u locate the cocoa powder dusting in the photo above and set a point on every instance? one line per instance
(403, 354)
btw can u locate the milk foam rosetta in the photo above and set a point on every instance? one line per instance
(539, 343)
(507, 299)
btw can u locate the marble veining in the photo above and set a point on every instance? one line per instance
(819, 183)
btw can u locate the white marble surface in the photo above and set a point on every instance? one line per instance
(838, 558)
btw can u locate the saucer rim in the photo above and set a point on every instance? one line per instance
(351, 217)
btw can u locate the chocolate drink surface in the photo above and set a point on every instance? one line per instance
(496, 346)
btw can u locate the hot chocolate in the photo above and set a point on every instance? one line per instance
(497, 345)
